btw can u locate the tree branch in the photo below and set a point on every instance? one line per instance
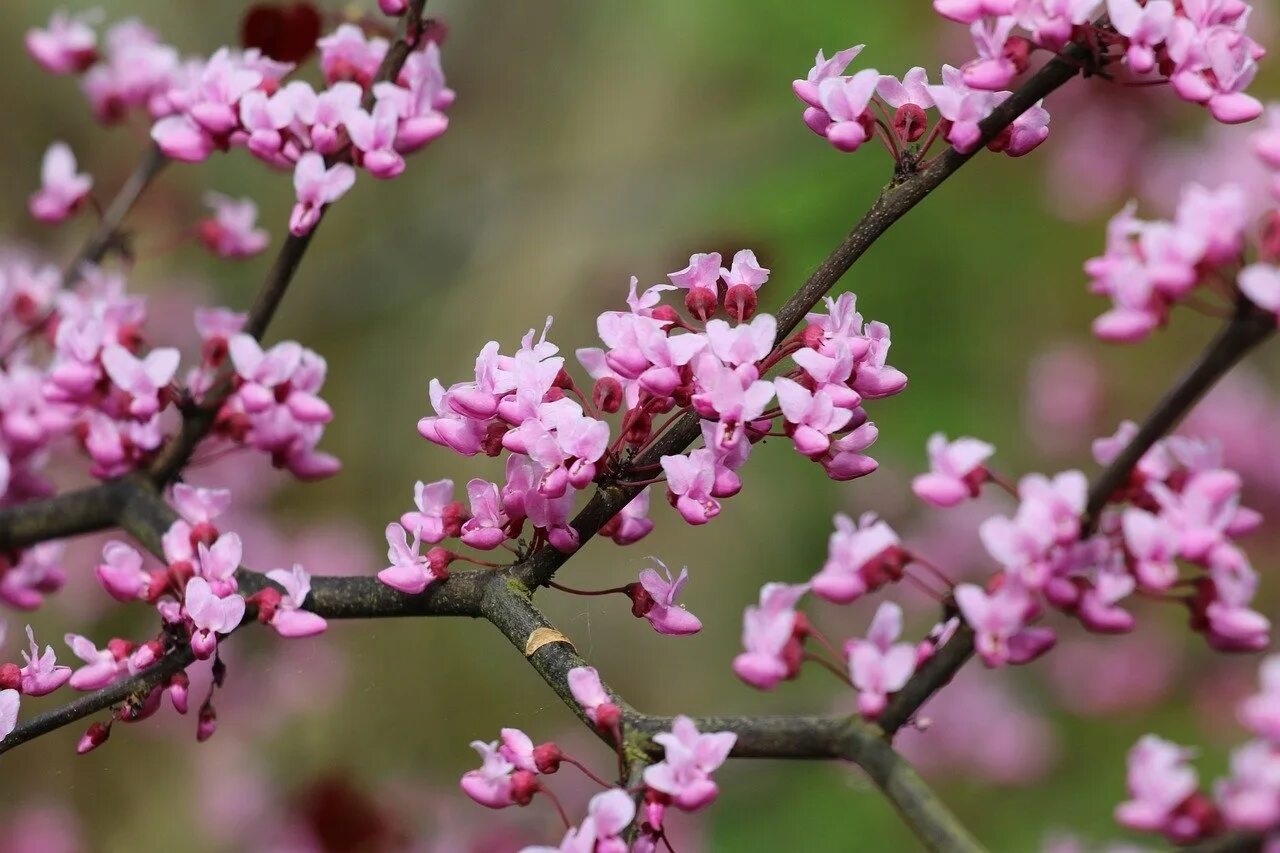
(108, 231)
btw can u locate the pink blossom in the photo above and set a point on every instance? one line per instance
(658, 603)
(1145, 26)
(41, 674)
(824, 69)
(261, 372)
(490, 785)
(1000, 621)
(121, 572)
(410, 572)
(68, 46)
(745, 271)
(964, 107)
(199, 506)
(1153, 545)
(1159, 780)
(1261, 283)
(690, 480)
(1250, 796)
(231, 232)
(860, 558)
(374, 134)
(878, 666)
(993, 69)
(956, 470)
(218, 562)
(1051, 22)
(35, 573)
(701, 278)
(485, 529)
(689, 759)
(811, 417)
(609, 813)
(1260, 713)
(289, 619)
(768, 635)
(846, 102)
(347, 54)
(101, 666)
(431, 523)
(393, 7)
(62, 190)
(968, 11)
(210, 615)
(9, 702)
(317, 187)
(845, 460)
(632, 523)
(589, 693)
(143, 379)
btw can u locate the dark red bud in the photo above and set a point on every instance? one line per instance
(639, 428)
(439, 559)
(181, 572)
(910, 122)
(666, 314)
(553, 394)
(740, 303)
(607, 395)
(812, 336)
(1018, 51)
(641, 601)
(562, 380)
(608, 717)
(492, 443)
(547, 757)
(268, 601)
(701, 303)
(203, 533)
(435, 29)
(207, 722)
(10, 676)
(214, 351)
(95, 736)
(120, 648)
(158, 585)
(454, 516)
(1002, 140)
(523, 786)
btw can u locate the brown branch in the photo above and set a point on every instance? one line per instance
(69, 514)
(107, 233)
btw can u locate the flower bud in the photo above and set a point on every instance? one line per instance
(95, 736)
(179, 691)
(207, 723)
(453, 517)
(547, 757)
(267, 601)
(439, 559)
(910, 122)
(607, 395)
(701, 303)
(812, 336)
(666, 314)
(608, 716)
(523, 786)
(1017, 49)
(10, 677)
(203, 533)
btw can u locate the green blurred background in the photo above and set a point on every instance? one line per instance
(589, 142)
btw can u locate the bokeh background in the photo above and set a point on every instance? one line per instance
(592, 141)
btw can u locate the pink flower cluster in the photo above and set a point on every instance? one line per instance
(655, 362)
(775, 635)
(513, 770)
(847, 110)
(1149, 267)
(243, 99)
(1164, 787)
(1200, 47)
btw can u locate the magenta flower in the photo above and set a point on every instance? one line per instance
(489, 785)
(142, 379)
(62, 189)
(374, 135)
(432, 521)
(101, 666)
(689, 759)
(769, 637)
(409, 572)
(845, 460)
(289, 619)
(589, 693)
(1145, 26)
(1000, 621)
(1160, 780)
(811, 417)
(968, 11)
(1261, 283)
(860, 558)
(68, 46)
(690, 480)
(1260, 713)
(964, 107)
(609, 813)
(347, 54)
(1250, 797)
(41, 674)
(232, 232)
(846, 101)
(486, 529)
(632, 523)
(657, 601)
(317, 187)
(993, 69)
(217, 563)
(824, 69)
(702, 279)
(210, 615)
(1152, 544)
(260, 372)
(121, 572)
(878, 666)
(956, 470)
(200, 506)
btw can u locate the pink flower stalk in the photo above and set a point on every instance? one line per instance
(410, 572)
(41, 674)
(655, 600)
(1000, 621)
(689, 759)
(770, 637)
(232, 232)
(289, 619)
(878, 666)
(589, 693)
(317, 187)
(144, 380)
(210, 615)
(68, 46)
(956, 470)
(861, 558)
(102, 667)
(62, 189)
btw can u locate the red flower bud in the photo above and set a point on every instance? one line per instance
(439, 559)
(268, 600)
(607, 395)
(207, 723)
(10, 677)
(523, 786)
(95, 736)
(205, 533)
(547, 757)
(608, 716)
(910, 122)
(454, 516)
(740, 303)
(701, 303)
(666, 314)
